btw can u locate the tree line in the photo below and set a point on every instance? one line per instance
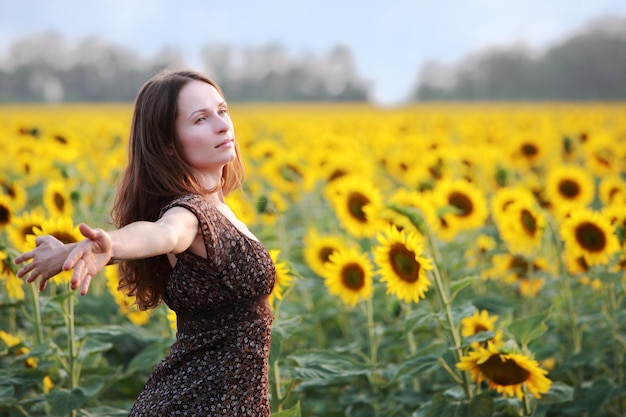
(590, 64)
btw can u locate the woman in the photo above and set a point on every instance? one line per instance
(178, 242)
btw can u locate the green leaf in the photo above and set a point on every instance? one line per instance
(527, 329)
(481, 406)
(419, 319)
(599, 394)
(457, 285)
(62, 401)
(93, 346)
(292, 412)
(558, 393)
(325, 367)
(6, 393)
(426, 360)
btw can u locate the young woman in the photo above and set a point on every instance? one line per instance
(178, 242)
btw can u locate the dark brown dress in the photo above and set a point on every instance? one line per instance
(218, 365)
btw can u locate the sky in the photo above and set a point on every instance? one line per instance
(389, 39)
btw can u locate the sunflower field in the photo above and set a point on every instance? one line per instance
(432, 260)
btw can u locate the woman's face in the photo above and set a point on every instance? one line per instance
(204, 128)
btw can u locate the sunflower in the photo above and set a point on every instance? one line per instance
(519, 271)
(418, 201)
(355, 203)
(478, 254)
(463, 207)
(402, 265)
(318, 249)
(24, 225)
(126, 303)
(480, 322)
(16, 191)
(243, 209)
(285, 172)
(568, 187)
(270, 206)
(616, 214)
(12, 283)
(522, 228)
(590, 234)
(509, 373)
(64, 230)
(612, 191)
(283, 278)
(57, 200)
(349, 276)
(528, 149)
(504, 197)
(6, 211)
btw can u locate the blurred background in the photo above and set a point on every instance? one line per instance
(388, 53)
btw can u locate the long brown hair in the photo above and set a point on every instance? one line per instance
(156, 174)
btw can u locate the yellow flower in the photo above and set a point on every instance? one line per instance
(15, 190)
(9, 339)
(589, 234)
(283, 278)
(349, 276)
(522, 228)
(507, 373)
(12, 283)
(478, 322)
(477, 254)
(519, 271)
(24, 225)
(172, 319)
(6, 211)
(47, 384)
(57, 200)
(568, 187)
(356, 203)
(126, 303)
(402, 265)
(318, 249)
(612, 191)
(464, 207)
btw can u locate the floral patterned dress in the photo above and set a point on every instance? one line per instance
(218, 365)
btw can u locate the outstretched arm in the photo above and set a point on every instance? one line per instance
(172, 233)
(47, 260)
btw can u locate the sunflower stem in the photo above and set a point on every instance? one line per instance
(566, 288)
(36, 314)
(446, 301)
(373, 350)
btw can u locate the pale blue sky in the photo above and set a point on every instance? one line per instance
(389, 39)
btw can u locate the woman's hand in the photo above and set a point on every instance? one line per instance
(46, 260)
(88, 257)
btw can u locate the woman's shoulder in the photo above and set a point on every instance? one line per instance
(191, 202)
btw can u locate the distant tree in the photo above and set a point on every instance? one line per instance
(589, 65)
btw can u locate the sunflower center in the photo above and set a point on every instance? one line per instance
(529, 149)
(356, 202)
(591, 237)
(479, 327)
(5, 215)
(59, 201)
(64, 237)
(503, 371)
(336, 174)
(529, 222)
(461, 202)
(353, 276)
(324, 254)
(403, 263)
(569, 188)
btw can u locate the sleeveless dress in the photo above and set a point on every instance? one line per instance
(218, 365)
